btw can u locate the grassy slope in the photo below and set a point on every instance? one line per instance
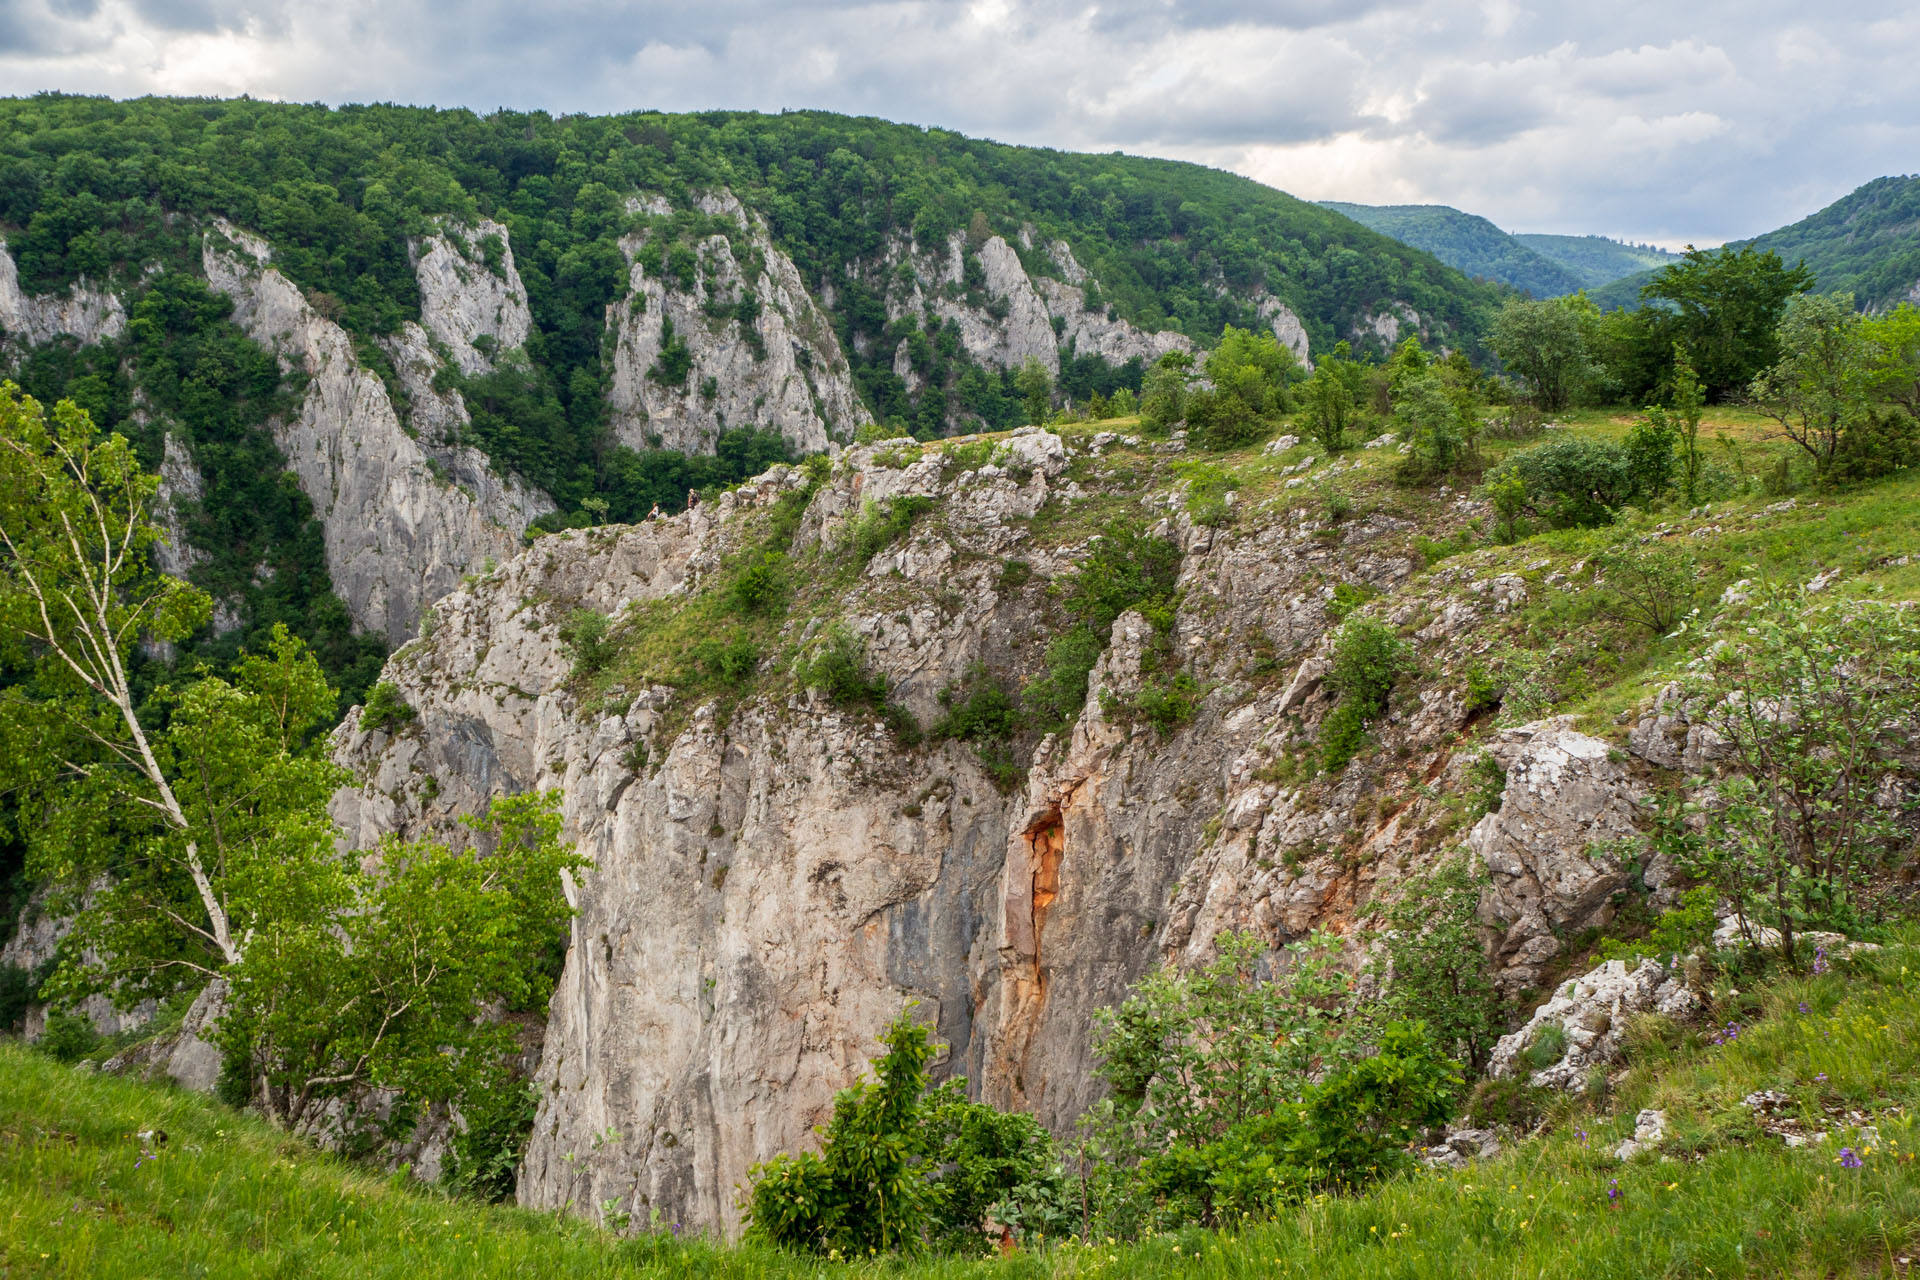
(226, 1196)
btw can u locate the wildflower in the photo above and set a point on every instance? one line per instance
(1820, 959)
(1849, 1158)
(1582, 1135)
(1821, 1078)
(1613, 1190)
(1803, 1006)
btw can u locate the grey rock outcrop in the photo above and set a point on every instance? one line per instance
(82, 312)
(1592, 1012)
(465, 298)
(1553, 848)
(35, 942)
(783, 370)
(397, 535)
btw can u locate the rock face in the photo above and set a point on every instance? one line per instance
(471, 293)
(1592, 1012)
(769, 888)
(34, 944)
(83, 313)
(397, 535)
(782, 369)
(1553, 847)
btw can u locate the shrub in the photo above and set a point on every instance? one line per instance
(761, 583)
(1368, 657)
(1166, 703)
(584, 636)
(837, 669)
(1506, 491)
(985, 712)
(1511, 1102)
(1571, 483)
(1055, 698)
(69, 1036)
(1439, 966)
(1815, 708)
(732, 662)
(386, 709)
(1126, 568)
(483, 1160)
(882, 524)
(1649, 450)
(1652, 585)
(1678, 931)
(1547, 1047)
(901, 1168)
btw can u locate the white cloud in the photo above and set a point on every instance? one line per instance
(1639, 118)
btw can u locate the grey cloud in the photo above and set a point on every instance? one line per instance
(1640, 118)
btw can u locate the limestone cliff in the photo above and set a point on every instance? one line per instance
(82, 312)
(398, 536)
(758, 351)
(773, 876)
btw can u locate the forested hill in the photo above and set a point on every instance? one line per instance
(1597, 260)
(1866, 243)
(1468, 242)
(370, 348)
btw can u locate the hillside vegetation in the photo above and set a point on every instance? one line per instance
(1866, 243)
(1471, 244)
(1597, 260)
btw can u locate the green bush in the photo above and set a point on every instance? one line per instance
(901, 1169)
(1510, 1102)
(761, 583)
(1166, 701)
(1649, 585)
(882, 524)
(1126, 568)
(1439, 965)
(733, 662)
(1054, 699)
(837, 668)
(1568, 483)
(584, 637)
(483, 1160)
(1368, 657)
(69, 1036)
(386, 710)
(1547, 1047)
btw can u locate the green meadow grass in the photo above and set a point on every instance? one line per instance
(80, 1196)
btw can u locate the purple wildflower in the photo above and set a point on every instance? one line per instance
(1849, 1158)
(1613, 1190)
(1821, 1078)
(1582, 1135)
(1820, 959)
(1803, 1006)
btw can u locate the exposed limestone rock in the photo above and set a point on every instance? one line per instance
(1384, 327)
(1099, 332)
(397, 536)
(1553, 845)
(1287, 328)
(784, 371)
(1461, 1147)
(84, 313)
(180, 483)
(1649, 1131)
(1593, 1011)
(768, 891)
(35, 942)
(463, 298)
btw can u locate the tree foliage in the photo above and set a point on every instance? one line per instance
(1815, 707)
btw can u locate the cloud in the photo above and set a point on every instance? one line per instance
(1639, 118)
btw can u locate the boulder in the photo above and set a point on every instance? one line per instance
(1593, 1012)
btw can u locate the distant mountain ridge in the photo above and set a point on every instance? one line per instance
(1597, 260)
(1866, 243)
(1468, 243)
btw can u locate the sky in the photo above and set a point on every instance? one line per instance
(1673, 122)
